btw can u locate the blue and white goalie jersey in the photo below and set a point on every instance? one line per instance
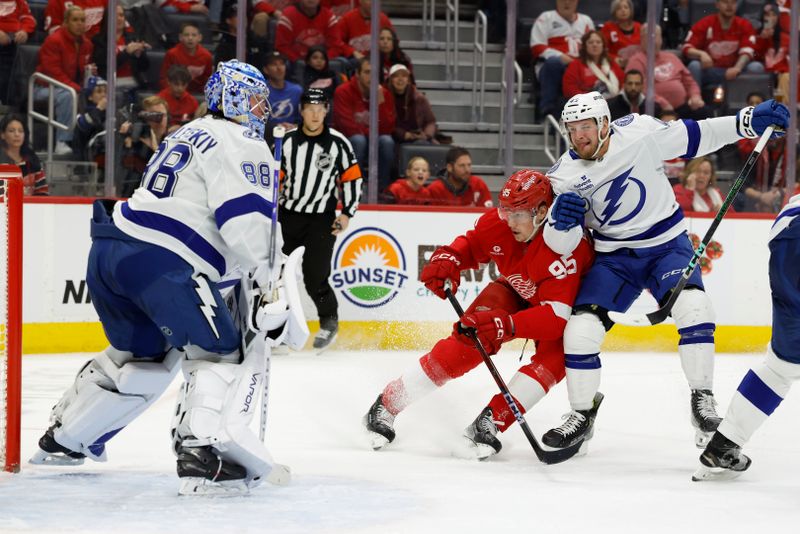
(206, 195)
(631, 202)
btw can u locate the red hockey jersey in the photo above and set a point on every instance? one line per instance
(199, 65)
(354, 31)
(402, 193)
(15, 15)
(94, 9)
(724, 46)
(476, 193)
(297, 32)
(620, 43)
(548, 281)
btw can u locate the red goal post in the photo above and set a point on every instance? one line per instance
(10, 316)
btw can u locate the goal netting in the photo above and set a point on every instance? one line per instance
(10, 315)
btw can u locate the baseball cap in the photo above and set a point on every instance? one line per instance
(397, 68)
(274, 56)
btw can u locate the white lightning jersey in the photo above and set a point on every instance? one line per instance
(207, 196)
(631, 202)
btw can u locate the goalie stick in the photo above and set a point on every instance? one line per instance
(547, 456)
(658, 316)
(277, 132)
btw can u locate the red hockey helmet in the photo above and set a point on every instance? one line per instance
(525, 190)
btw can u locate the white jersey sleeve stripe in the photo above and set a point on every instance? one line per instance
(244, 205)
(177, 230)
(559, 308)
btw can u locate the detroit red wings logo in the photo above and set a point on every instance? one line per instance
(523, 286)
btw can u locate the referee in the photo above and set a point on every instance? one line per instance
(318, 166)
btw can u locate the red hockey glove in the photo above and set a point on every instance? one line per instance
(444, 265)
(493, 327)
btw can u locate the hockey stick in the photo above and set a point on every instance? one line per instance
(549, 456)
(277, 132)
(660, 315)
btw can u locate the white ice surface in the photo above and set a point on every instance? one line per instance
(636, 477)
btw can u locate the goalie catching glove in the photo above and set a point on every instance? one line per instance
(445, 265)
(492, 327)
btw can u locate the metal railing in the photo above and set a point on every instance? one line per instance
(48, 119)
(428, 20)
(451, 39)
(517, 99)
(551, 126)
(479, 63)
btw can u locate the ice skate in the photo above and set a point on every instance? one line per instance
(722, 460)
(52, 453)
(481, 435)
(579, 425)
(378, 423)
(203, 472)
(704, 416)
(328, 330)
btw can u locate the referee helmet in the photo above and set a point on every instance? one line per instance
(313, 96)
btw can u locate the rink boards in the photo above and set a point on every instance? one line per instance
(375, 271)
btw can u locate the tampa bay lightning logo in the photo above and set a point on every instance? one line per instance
(619, 200)
(282, 109)
(624, 121)
(555, 167)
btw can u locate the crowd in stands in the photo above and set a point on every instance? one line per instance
(167, 49)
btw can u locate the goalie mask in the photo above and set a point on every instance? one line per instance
(239, 92)
(587, 106)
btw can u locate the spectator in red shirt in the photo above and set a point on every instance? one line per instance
(593, 71)
(772, 49)
(16, 22)
(340, 7)
(720, 47)
(457, 186)
(411, 188)
(180, 103)
(555, 42)
(56, 12)
(192, 54)
(16, 150)
(354, 27)
(307, 24)
(351, 117)
(698, 188)
(675, 87)
(622, 34)
(64, 56)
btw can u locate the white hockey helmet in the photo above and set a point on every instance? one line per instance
(586, 106)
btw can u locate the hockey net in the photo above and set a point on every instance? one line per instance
(10, 315)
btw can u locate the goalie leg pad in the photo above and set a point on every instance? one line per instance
(694, 317)
(216, 408)
(583, 336)
(109, 392)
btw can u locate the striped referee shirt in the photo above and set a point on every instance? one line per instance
(312, 168)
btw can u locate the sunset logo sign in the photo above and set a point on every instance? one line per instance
(369, 267)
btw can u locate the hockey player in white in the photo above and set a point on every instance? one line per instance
(765, 386)
(612, 181)
(158, 262)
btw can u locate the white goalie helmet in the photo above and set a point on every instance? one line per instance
(586, 106)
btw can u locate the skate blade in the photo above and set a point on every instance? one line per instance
(280, 475)
(375, 440)
(197, 486)
(320, 350)
(714, 473)
(469, 450)
(701, 438)
(41, 457)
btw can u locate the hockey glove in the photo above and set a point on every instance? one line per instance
(444, 265)
(752, 121)
(493, 328)
(568, 211)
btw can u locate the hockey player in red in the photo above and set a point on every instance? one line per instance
(531, 300)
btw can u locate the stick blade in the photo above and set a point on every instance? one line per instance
(639, 319)
(549, 456)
